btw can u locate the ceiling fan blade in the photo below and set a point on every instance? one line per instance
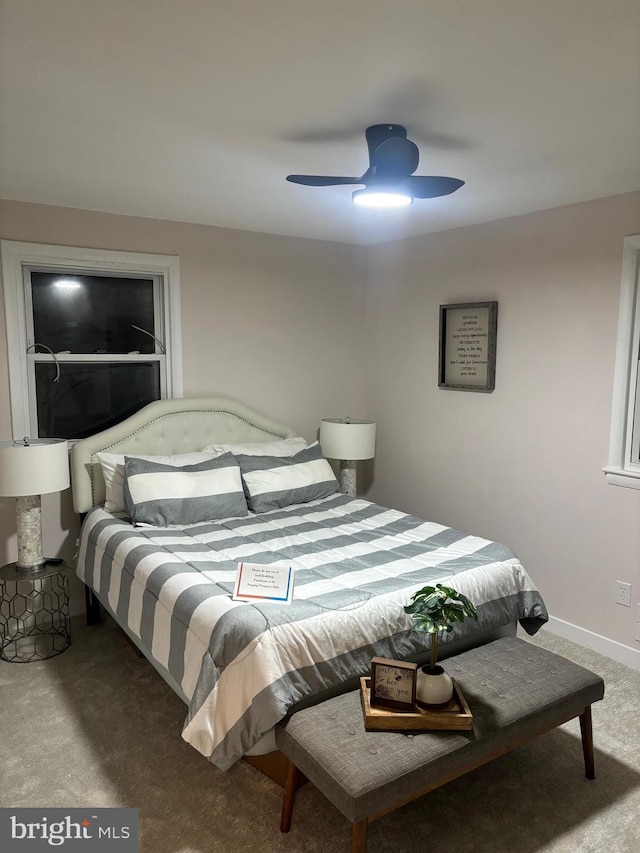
(432, 187)
(395, 159)
(321, 180)
(379, 133)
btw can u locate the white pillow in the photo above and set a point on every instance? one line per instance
(112, 465)
(281, 447)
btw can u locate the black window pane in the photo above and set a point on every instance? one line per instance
(92, 313)
(91, 397)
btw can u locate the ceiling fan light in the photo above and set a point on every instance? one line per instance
(381, 198)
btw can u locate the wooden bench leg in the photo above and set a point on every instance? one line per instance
(586, 731)
(291, 786)
(359, 836)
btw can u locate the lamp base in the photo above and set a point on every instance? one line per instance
(348, 477)
(29, 523)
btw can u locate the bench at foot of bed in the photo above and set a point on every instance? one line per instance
(516, 691)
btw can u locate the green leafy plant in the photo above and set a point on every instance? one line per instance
(434, 610)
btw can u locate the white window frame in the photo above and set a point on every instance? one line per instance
(623, 467)
(19, 259)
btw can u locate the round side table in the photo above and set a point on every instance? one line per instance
(34, 613)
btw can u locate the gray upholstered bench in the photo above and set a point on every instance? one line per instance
(515, 690)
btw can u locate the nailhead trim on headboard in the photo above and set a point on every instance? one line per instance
(173, 415)
(85, 465)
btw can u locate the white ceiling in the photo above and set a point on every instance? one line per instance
(196, 110)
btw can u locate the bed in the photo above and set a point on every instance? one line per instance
(242, 667)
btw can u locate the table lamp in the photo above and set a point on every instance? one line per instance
(30, 468)
(348, 439)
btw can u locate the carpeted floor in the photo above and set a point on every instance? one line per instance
(98, 727)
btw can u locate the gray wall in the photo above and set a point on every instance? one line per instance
(522, 465)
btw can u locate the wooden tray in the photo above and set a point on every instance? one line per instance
(454, 715)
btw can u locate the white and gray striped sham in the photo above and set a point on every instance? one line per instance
(112, 465)
(272, 482)
(164, 495)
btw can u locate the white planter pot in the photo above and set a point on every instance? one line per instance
(433, 686)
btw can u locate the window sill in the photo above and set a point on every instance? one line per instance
(623, 477)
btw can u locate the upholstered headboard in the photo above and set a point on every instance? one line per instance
(164, 428)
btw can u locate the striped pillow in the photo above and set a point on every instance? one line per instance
(272, 482)
(162, 495)
(112, 465)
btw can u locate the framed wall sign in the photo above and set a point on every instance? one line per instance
(468, 334)
(393, 684)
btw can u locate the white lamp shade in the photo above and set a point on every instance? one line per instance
(348, 438)
(37, 468)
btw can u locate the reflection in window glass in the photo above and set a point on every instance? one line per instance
(92, 313)
(90, 397)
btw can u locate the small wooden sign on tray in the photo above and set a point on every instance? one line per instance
(454, 715)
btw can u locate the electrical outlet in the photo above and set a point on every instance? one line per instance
(638, 622)
(623, 595)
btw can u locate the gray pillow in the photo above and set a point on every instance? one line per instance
(273, 482)
(162, 495)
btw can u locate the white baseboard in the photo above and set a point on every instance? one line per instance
(590, 640)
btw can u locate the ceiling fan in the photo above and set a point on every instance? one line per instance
(389, 181)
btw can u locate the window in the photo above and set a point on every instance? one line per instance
(623, 468)
(93, 336)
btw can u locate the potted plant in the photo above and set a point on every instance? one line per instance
(434, 610)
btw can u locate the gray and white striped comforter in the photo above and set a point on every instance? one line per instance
(242, 666)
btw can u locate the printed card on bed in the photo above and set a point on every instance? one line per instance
(256, 582)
